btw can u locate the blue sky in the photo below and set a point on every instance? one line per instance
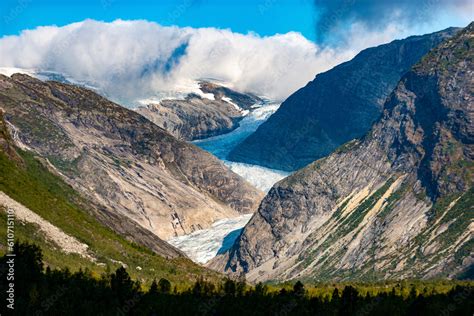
(265, 17)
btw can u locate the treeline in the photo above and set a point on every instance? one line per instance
(40, 291)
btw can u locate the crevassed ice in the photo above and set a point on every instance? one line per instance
(260, 177)
(220, 146)
(203, 245)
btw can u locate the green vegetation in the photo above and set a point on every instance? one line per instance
(42, 291)
(356, 216)
(65, 166)
(347, 146)
(447, 56)
(48, 196)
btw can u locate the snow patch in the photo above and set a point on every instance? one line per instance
(229, 100)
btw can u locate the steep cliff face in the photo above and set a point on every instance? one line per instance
(396, 204)
(337, 106)
(197, 117)
(121, 160)
(244, 100)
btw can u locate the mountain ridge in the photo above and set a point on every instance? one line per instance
(396, 203)
(121, 160)
(337, 106)
(199, 116)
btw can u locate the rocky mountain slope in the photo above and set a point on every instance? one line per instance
(14, 163)
(120, 160)
(75, 233)
(397, 203)
(198, 117)
(337, 106)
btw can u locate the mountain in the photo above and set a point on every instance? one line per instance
(121, 161)
(337, 106)
(244, 100)
(15, 166)
(75, 233)
(217, 111)
(397, 203)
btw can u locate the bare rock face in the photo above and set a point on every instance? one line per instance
(193, 118)
(197, 117)
(121, 160)
(6, 142)
(337, 106)
(397, 203)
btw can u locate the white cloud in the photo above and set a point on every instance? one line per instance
(130, 60)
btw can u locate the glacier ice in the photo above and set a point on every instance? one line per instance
(260, 177)
(203, 245)
(220, 146)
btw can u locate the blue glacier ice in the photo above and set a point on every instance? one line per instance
(203, 245)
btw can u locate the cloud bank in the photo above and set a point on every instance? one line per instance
(335, 15)
(131, 60)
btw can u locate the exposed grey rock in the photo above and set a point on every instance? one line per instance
(193, 118)
(397, 203)
(196, 117)
(123, 162)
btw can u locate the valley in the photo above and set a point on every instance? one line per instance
(394, 204)
(203, 245)
(224, 227)
(150, 169)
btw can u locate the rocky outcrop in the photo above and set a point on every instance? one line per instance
(337, 106)
(121, 161)
(395, 204)
(7, 145)
(54, 234)
(244, 100)
(196, 117)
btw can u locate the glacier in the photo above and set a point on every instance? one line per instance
(221, 145)
(260, 177)
(203, 245)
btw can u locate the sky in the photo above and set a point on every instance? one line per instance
(265, 17)
(146, 50)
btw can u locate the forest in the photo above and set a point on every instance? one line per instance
(38, 290)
